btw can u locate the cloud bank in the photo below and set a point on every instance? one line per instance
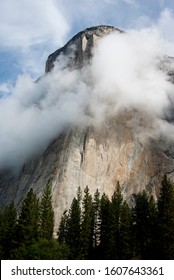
(124, 73)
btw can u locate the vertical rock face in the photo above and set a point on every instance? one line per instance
(79, 49)
(101, 156)
(95, 156)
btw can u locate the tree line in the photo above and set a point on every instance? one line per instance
(28, 233)
(95, 227)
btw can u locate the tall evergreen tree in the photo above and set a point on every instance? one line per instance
(28, 221)
(97, 221)
(97, 225)
(8, 220)
(115, 223)
(105, 220)
(87, 225)
(145, 215)
(152, 249)
(46, 213)
(63, 229)
(141, 216)
(126, 247)
(166, 219)
(74, 227)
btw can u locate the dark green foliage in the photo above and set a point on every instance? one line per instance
(145, 215)
(152, 249)
(115, 223)
(45, 249)
(125, 234)
(19, 237)
(46, 214)
(42, 249)
(63, 229)
(8, 219)
(166, 219)
(116, 227)
(93, 228)
(74, 227)
(106, 229)
(97, 224)
(27, 226)
(104, 226)
(87, 225)
(27, 230)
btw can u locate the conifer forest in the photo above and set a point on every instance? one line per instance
(95, 227)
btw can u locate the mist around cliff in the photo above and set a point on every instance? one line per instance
(125, 73)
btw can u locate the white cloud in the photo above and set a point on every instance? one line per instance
(26, 23)
(5, 88)
(124, 73)
(165, 26)
(31, 29)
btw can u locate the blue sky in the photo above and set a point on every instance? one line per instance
(31, 30)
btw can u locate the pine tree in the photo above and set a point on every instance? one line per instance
(97, 224)
(105, 220)
(166, 219)
(8, 220)
(63, 229)
(152, 248)
(46, 214)
(96, 207)
(87, 225)
(27, 228)
(28, 221)
(145, 223)
(115, 223)
(126, 248)
(74, 227)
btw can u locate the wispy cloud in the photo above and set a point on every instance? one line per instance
(31, 29)
(5, 89)
(165, 25)
(130, 2)
(27, 23)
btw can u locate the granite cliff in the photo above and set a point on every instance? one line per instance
(94, 155)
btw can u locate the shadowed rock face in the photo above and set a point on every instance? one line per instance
(95, 156)
(79, 48)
